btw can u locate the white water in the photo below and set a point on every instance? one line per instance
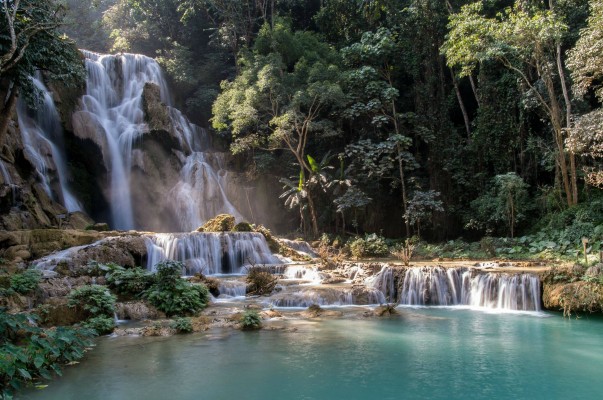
(43, 141)
(199, 195)
(463, 286)
(114, 102)
(210, 253)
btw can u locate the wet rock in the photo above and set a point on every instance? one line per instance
(100, 227)
(87, 127)
(242, 227)
(156, 113)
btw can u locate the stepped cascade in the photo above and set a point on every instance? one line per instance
(210, 253)
(43, 142)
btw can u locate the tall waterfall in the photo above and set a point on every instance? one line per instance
(43, 141)
(465, 286)
(210, 253)
(114, 104)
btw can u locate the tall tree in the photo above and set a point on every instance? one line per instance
(525, 40)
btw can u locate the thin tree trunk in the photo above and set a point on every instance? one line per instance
(568, 123)
(313, 215)
(474, 88)
(461, 104)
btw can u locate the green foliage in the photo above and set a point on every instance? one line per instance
(101, 325)
(25, 282)
(370, 245)
(132, 281)
(251, 320)
(28, 352)
(174, 295)
(96, 300)
(507, 201)
(182, 325)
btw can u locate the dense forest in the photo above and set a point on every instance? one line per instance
(407, 117)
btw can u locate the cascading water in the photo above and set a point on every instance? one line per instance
(114, 100)
(463, 286)
(43, 141)
(199, 185)
(114, 105)
(210, 253)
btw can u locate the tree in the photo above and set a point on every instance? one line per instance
(526, 40)
(282, 98)
(421, 207)
(586, 58)
(506, 201)
(30, 41)
(374, 96)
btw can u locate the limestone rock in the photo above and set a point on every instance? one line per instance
(156, 113)
(86, 126)
(220, 223)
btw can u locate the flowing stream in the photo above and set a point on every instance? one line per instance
(420, 354)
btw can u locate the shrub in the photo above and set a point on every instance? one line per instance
(370, 245)
(182, 325)
(26, 281)
(260, 281)
(101, 325)
(28, 352)
(173, 295)
(95, 299)
(251, 320)
(132, 281)
(243, 227)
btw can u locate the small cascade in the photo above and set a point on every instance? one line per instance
(300, 246)
(199, 184)
(43, 141)
(462, 286)
(210, 253)
(232, 288)
(306, 296)
(8, 181)
(384, 283)
(302, 272)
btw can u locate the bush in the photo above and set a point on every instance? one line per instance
(371, 245)
(173, 295)
(182, 325)
(131, 281)
(260, 281)
(25, 282)
(243, 227)
(251, 320)
(28, 352)
(101, 325)
(95, 299)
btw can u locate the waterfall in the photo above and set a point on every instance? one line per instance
(210, 253)
(43, 142)
(113, 104)
(384, 283)
(199, 184)
(457, 286)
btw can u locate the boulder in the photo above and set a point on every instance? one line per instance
(86, 126)
(156, 113)
(137, 311)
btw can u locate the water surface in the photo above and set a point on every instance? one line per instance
(429, 353)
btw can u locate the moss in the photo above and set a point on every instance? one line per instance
(243, 227)
(220, 223)
(273, 244)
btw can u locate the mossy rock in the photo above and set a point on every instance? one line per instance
(273, 244)
(243, 227)
(220, 223)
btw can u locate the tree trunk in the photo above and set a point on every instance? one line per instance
(568, 123)
(312, 214)
(461, 104)
(474, 88)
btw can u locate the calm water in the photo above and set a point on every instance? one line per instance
(423, 354)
